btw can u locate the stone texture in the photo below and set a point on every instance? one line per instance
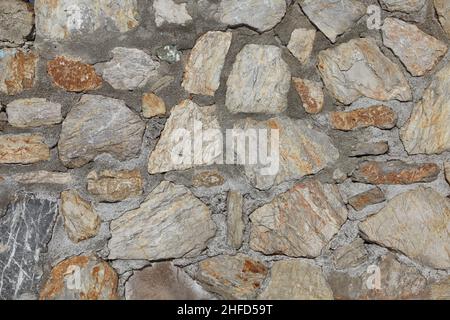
(395, 172)
(43, 177)
(427, 129)
(33, 112)
(25, 231)
(3, 120)
(152, 105)
(259, 15)
(168, 11)
(311, 94)
(333, 17)
(377, 116)
(367, 198)
(296, 280)
(182, 127)
(303, 150)
(447, 171)
(114, 186)
(350, 255)
(418, 51)
(208, 179)
(23, 149)
(235, 221)
(17, 70)
(170, 223)
(440, 290)
(407, 6)
(163, 281)
(73, 75)
(300, 222)
(80, 219)
(259, 81)
(232, 277)
(369, 149)
(129, 69)
(204, 67)
(81, 278)
(415, 223)
(359, 69)
(443, 12)
(65, 19)
(107, 126)
(16, 22)
(301, 44)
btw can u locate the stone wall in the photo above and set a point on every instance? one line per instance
(92, 93)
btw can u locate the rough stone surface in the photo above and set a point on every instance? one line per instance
(296, 280)
(108, 126)
(25, 231)
(232, 277)
(152, 106)
(73, 75)
(367, 198)
(81, 278)
(114, 186)
(447, 171)
(235, 222)
(260, 15)
(23, 149)
(204, 68)
(415, 223)
(407, 6)
(333, 17)
(418, 51)
(16, 22)
(351, 255)
(168, 11)
(300, 222)
(311, 93)
(43, 177)
(3, 120)
(80, 219)
(369, 149)
(17, 70)
(301, 44)
(443, 12)
(208, 179)
(170, 223)
(357, 69)
(259, 81)
(440, 290)
(33, 112)
(378, 116)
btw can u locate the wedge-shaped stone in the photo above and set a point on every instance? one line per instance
(170, 223)
(34, 112)
(23, 149)
(17, 70)
(300, 222)
(114, 186)
(311, 94)
(415, 223)
(301, 44)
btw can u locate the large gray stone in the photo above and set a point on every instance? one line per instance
(16, 22)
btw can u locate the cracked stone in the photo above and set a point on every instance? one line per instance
(167, 11)
(376, 116)
(235, 221)
(311, 94)
(443, 12)
(367, 198)
(17, 70)
(16, 22)
(34, 112)
(301, 44)
(23, 149)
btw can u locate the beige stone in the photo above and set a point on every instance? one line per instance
(301, 44)
(23, 149)
(152, 105)
(113, 185)
(235, 222)
(311, 94)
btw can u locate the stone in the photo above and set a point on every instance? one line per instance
(170, 223)
(259, 81)
(357, 69)
(108, 126)
(235, 221)
(300, 222)
(440, 290)
(185, 121)
(296, 280)
(168, 11)
(333, 17)
(81, 278)
(23, 149)
(232, 277)
(204, 67)
(301, 44)
(16, 22)
(163, 281)
(17, 70)
(426, 131)
(169, 53)
(25, 231)
(81, 222)
(152, 106)
(302, 150)
(369, 149)
(3, 120)
(443, 13)
(73, 75)
(416, 224)
(397, 282)
(367, 198)
(66, 19)
(129, 69)
(311, 94)
(34, 112)
(406, 6)
(447, 171)
(208, 179)
(259, 15)
(418, 51)
(114, 186)
(350, 255)
(376, 116)
(395, 172)
(43, 177)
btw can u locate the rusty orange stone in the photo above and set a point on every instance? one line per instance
(377, 116)
(19, 73)
(365, 199)
(73, 75)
